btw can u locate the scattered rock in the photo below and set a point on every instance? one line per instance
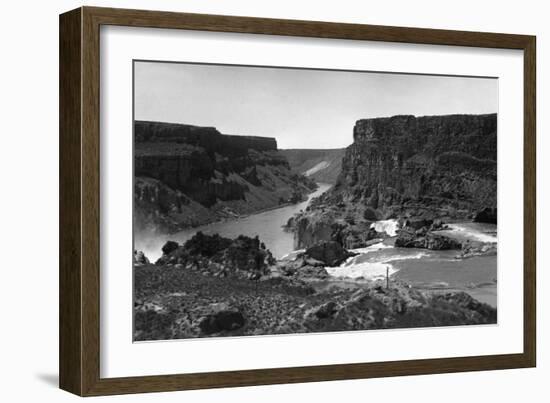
(173, 303)
(222, 318)
(312, 272)
(473, 248)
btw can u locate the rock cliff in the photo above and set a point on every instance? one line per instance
(189, 175)
(444, 163)
(405, 166)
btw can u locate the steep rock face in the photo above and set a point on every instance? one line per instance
(443, 163)
(402, 167)
(188, 175)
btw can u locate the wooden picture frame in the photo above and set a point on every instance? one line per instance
(79, 348)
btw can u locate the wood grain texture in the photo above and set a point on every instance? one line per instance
(70, 271)
(90, 202)
(80, 200)
(530, 203)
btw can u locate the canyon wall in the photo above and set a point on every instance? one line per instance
(442, 167)
(189, 175)
(442, 163)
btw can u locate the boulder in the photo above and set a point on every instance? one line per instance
(331, 253)
(418, 223)
(221, 318)
(438, 225)
(312, 228)
(326, 310)
(487, 215)
(370, 214)
(441, 242)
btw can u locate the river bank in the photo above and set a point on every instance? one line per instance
(267, 224)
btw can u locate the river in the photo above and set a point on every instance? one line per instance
(424, 269)
(433, 270)
(267, 225)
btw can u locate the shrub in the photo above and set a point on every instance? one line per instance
(169, 247)
(206, 245)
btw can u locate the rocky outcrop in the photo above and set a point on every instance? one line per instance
(310, 229)
(330, 253)
(218, 256)
(473, 248)
(310, 264)
(188, 175)
(302, 269)
(325, 222)
(408, 237)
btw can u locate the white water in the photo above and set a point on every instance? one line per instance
(373, 262)
(473, 231)
(430, 269)
(390, 227)
(370, 271)
(372, 248)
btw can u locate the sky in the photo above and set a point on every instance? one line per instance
(301, 108)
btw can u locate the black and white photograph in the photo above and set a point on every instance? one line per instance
(275, 200)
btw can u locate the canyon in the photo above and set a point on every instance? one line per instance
(405, 167)
(321, 165)
(186, 175)
(375, 246)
